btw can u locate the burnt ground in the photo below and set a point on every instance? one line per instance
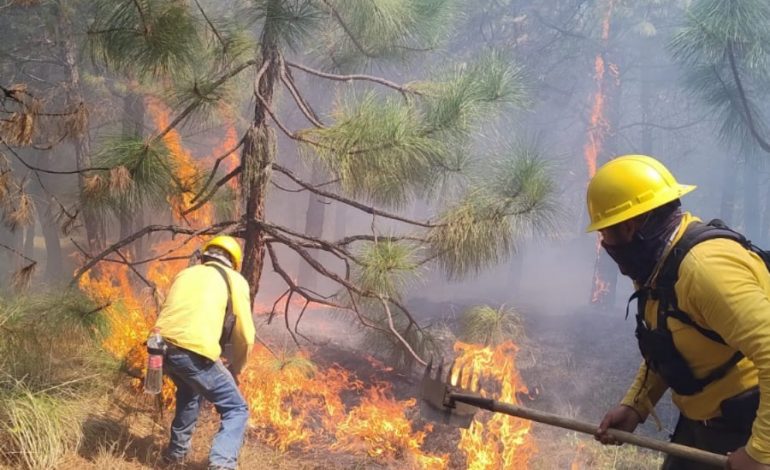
(577, 365)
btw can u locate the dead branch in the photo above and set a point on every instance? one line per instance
(350, 202)
(302, 104)
(211, 230)
(334, 277)
(215, 168)
(354, 77)
(394, 331)
(213, 191)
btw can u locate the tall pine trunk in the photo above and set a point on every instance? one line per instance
(751, 215)
(314, 225)
(729, 183)
(95, 231)
(259, 154)
(133, 126)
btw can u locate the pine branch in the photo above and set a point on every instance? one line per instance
(18, 253)
(302, 104)
(192, 106)
(347, 78)
(43, 170)
(334, 277)
(350, 202)
(210, 230)
(763, 144)
(211, 25)
(394, 331)
(347, 30)
(213, 172)
(217, 185)
(145, 26)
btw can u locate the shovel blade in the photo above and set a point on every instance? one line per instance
(437, 405)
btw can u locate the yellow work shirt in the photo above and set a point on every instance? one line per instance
(194, 312)
(723, 287)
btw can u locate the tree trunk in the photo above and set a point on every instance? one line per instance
(54, 266)
(46, 210)
(751, 214)
(95, 231)
(314, 226)
(340, 221)
(29, 239)
(258, 156)
(133, 126)
(729, 183)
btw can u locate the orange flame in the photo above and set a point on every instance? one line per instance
(502, 441)
(596, 134)
(292, 402)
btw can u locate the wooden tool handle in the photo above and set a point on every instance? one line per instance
(677, 450)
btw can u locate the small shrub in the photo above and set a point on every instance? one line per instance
(489, 326)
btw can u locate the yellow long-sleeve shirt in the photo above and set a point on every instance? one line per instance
(725, 288)
(194, 312)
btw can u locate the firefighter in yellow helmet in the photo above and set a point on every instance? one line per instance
(207, 310)
(703, 315)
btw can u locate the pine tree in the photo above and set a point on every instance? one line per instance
(385, 144)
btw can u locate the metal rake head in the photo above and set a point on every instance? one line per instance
(436, 388)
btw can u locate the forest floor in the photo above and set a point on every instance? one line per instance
(578, 364)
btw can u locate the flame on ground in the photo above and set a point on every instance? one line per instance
(293, 403)
(499, 441)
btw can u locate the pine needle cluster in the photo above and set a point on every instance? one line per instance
(141, 173)
(490, 326)
(719, 41)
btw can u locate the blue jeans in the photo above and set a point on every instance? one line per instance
(196, 378)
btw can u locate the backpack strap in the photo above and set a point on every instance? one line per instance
(229, 323)
(665, 288)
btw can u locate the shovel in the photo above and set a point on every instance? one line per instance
(443, 402)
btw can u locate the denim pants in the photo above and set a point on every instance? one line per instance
(196, 378)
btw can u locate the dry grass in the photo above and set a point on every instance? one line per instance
(564, 449)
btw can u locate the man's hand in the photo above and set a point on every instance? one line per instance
(621, 417)
(740, 460)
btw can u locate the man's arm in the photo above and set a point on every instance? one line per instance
(645, 391)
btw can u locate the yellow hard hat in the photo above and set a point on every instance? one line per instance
(628, 186)
(230, 245)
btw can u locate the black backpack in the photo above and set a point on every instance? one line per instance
(656, 344)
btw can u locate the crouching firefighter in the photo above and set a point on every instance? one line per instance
(207, 309)
(703, 314)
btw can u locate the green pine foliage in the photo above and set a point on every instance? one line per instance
(714, 32)
(490, 326)
(388, 150)
(387, 266)
(511, 199)
(140, 174)
(362, 33)
(148, 37)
